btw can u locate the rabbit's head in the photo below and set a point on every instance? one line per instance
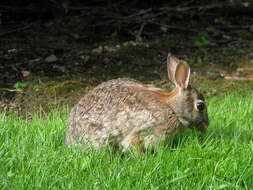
(187, 103)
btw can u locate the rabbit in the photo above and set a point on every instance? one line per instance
(128, 114)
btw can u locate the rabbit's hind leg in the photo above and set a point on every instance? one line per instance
(135, 141)
(141, 142)
(131, 141)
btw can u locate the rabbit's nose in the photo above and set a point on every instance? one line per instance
(202, 126)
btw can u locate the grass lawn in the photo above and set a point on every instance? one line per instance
(33, 155)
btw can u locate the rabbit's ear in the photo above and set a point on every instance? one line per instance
(182, 75)
(172, 63)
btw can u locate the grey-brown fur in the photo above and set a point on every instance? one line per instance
(128, 113)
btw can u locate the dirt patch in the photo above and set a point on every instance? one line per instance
(59, 60)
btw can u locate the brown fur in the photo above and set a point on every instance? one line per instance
(131, 114)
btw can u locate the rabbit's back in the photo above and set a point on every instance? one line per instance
(116, 108)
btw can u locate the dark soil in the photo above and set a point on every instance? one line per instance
(60, 59)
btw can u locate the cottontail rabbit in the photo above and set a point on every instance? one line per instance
(128, 113)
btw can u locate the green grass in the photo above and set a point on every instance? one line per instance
(33, 155)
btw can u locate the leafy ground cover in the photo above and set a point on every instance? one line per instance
(33, 155)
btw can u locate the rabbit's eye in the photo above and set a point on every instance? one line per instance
(200, 106)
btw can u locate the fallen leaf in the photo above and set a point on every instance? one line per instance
(34, 60)
(219, 20)
(98, 50)
(249, 76)
(51, 58)
(25, 73)
(12, 50)
(245, 66)
(234, 77)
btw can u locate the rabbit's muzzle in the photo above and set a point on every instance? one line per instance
(203, 125)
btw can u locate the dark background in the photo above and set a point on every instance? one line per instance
(82, 43)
